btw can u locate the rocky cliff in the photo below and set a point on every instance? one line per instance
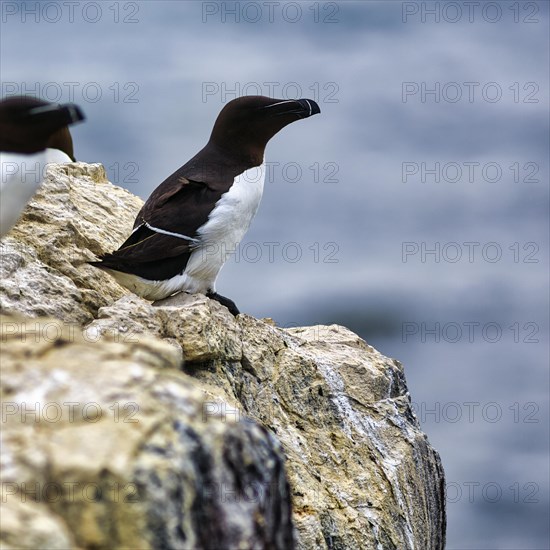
(174, 424)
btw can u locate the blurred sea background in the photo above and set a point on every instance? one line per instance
(413, 210)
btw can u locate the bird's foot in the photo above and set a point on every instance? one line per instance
(229, 304)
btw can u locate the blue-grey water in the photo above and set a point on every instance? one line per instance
(414, 209)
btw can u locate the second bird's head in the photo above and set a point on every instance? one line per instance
(246, 124)
(29, 125)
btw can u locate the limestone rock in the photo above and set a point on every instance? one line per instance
(361, 472)
(28, 524)
(75, 215)
(104, 446)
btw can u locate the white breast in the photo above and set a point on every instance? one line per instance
(20, 177)
(226, 226)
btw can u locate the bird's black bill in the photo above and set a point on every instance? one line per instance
(309, 107)
(68, 113)
(302, 108)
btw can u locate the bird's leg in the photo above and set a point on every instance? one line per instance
(229, 304)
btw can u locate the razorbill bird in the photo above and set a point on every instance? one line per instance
(196, 217)
(33, 133)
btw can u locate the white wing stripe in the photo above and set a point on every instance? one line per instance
(164, 232)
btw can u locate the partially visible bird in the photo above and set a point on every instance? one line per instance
(195, 218)
(33, 133)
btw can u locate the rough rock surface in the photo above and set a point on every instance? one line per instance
(122, 450)
(361, 473)
(75, 215)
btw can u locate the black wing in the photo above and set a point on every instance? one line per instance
(178, 206)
